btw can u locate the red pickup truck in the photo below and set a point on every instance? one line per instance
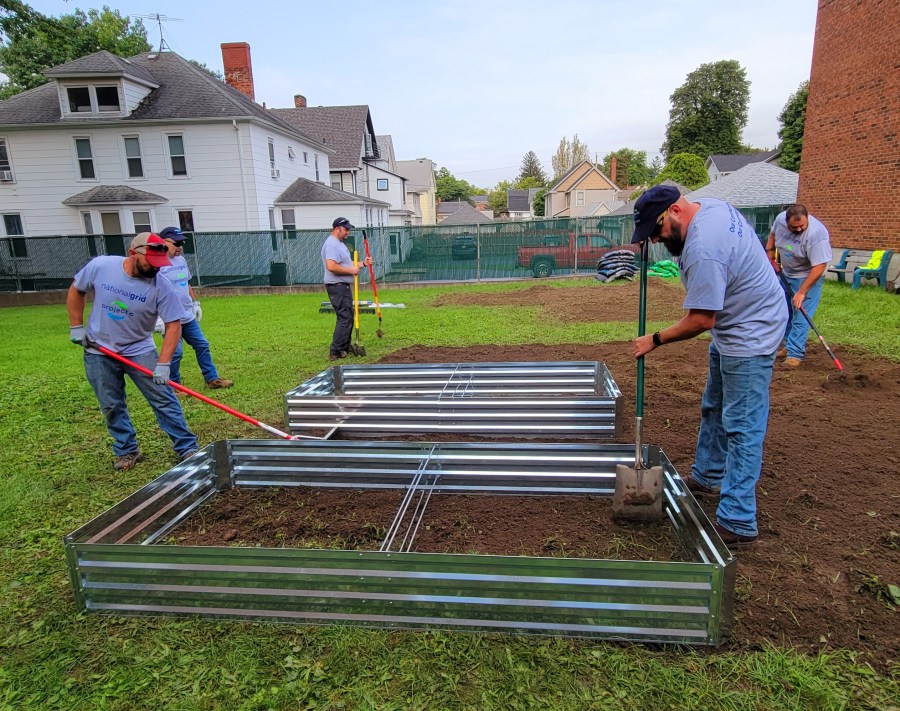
(558, 253)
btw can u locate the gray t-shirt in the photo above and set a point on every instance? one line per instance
(800, 253)
(336, 250)
(125, 307)
(724, 269)
(180, 276)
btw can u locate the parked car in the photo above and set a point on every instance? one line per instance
(464, 247)
(559, 252)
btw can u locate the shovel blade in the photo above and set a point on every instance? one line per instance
(638, 494)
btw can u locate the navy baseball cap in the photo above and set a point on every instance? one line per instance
(342, 222)
(653, 203)
(173, 233)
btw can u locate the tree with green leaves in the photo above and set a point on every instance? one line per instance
(532, 168)
(653, 169)
(631, 167)
(33, 42)
(537, 205)
(529, 182)
(709, 111)
(685, 169)
(793, 122)
(451, 188)
(497, 197)
(568, 155)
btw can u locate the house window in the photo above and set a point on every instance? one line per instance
(107, 98)
(336, 182)
(316, 159)
(381, 183)
(579, 197)
(6, 175)
(141, 222)
(88, 223)
(288, 219)
(272, 219)
(12, 223)
(85, 158)
(79, 99)
(133, 157)
(177, 157)
(186, 220)
(291, 154)
(305, 158)
(272, 158)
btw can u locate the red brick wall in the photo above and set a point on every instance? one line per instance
(238, 69)
(850, 166)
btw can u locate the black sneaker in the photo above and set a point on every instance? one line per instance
(734, 540)
(700, 491)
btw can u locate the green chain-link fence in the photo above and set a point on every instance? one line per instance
(436, 253)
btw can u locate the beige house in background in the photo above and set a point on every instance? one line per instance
(421, 190)
(579, 192)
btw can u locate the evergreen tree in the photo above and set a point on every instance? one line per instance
(532, 168)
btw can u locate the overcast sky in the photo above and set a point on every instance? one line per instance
(476, 85)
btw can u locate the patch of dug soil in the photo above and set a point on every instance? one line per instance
(828, 497)
(579, 304)
(546, 526)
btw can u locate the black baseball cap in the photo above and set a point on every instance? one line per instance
(653, 203)
(342, 222)
(173, 233)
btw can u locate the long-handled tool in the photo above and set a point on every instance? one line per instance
(638, 494)
(790, 292)
(209, 401)
(356, 348)
(379, 332)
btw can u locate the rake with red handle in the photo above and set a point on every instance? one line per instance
(379, 332)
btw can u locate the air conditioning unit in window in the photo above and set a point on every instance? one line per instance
(276, 173)
(6, 176)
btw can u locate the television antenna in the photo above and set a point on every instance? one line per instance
(159, 21)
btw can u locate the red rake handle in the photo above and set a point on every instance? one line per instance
(372, 275)
(830, 352)
(207, 400)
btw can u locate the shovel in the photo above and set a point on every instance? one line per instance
(379, 332)
(356, 348)
(638, 494)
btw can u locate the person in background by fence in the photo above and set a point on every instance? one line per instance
(337, 263)
(180, 277)
(732, 293)
(128, 297)
(804, 253)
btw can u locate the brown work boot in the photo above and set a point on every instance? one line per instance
(337, 356)
(732, 539)
(219, 383)
(125, 462)
(187, 455)
(792, 362)
(782, 353)
(700, 491)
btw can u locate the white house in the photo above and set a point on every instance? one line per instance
(112, 146)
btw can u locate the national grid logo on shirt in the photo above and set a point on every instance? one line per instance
(117, 310)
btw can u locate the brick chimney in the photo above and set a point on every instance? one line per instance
(299, 101)
(238, 69)
(612, 169)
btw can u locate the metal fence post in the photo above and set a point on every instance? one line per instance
(478, 251)
(575, 245)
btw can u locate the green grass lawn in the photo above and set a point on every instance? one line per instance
(56, 474)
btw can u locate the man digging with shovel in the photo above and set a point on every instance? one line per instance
(339, 270)
(733, 293)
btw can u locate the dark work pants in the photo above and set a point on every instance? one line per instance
(341, 298)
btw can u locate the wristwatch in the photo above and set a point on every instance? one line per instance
(657, 341)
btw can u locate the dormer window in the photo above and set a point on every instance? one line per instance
(93, 99)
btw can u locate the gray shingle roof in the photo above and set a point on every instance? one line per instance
(419, 173)
(100, 63)
(753, 185)
(465, 215)
(517, 200)
(113, 194)
(448, 207)
(728, 163)
(303, 190)
(184, 92)
(628, 207)
(341, 128)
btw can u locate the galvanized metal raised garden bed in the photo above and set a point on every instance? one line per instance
(576, 400)
(119, 563)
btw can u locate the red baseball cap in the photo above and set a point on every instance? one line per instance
(153, 247)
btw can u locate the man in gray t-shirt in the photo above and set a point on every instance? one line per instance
(733, 293)
(800, 249)
(339, 270)
(128, 296)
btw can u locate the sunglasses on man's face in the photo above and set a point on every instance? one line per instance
(158, 248)
(657, 231)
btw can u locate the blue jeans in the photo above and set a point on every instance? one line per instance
(798, 327)
(193, 334)
(734, 415)
(341, 297)
(107, 378)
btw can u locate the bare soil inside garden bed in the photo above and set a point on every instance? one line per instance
(828, 497)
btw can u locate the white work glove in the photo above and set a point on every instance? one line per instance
(160, 327)
(198, 312)
(161, 373)
(78, 335)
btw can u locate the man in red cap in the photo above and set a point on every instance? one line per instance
(127, 298)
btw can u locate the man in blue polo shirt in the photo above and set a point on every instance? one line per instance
(128, 295)
(733, 293)
(804, 253)
(339, 270)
